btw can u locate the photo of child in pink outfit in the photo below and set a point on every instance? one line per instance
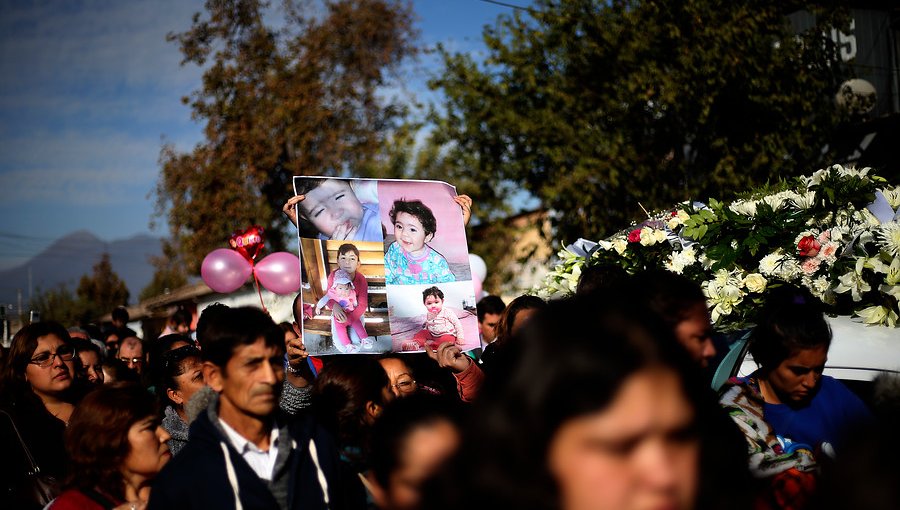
(441, 324)
(343, 293)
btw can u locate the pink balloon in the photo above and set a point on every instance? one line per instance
(279, 272)
(225, 270)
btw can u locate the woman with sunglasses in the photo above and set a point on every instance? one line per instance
(181, 376)
(36, 388)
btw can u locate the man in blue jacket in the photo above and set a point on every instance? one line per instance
(242, 452)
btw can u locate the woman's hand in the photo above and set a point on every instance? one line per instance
(289, 208)
(449, 356)
(338, 313)
(465, 203)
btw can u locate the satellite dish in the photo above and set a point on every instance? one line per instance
(856, 96)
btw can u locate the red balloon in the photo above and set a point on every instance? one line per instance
(248, 242)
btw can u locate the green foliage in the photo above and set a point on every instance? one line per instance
(97, 294)
(58, 305)
(302, 99)
(595, 107)
(103, 290)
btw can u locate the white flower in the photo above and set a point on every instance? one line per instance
(676, 221)
(853, 282)
(878, 315)
(721, 298)
(820, 286)
(892, 196)
(851, 171)
(620, 244)
(789, 269)
(679, 260)
(803, 200)
(815, 178)
(744, 207)
(651, 236)
(769, 264)
(777, 200)
(755, 282)
(889, 237)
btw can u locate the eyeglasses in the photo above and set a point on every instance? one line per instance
(405, 386)
(45, 359)
(135, 361)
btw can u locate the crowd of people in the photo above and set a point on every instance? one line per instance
(599, 401)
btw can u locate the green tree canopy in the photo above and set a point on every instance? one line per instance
(97, 294)
(306, 98)
(597, 107)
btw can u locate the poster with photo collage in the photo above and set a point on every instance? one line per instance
(384, 266)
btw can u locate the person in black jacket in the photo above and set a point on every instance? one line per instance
(242, 452)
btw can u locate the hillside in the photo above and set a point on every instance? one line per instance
(67, 259)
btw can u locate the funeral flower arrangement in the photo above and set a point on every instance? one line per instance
(835, 232)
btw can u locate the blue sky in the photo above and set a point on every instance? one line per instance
(89, 91)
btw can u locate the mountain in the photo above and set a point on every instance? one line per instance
(73, 256)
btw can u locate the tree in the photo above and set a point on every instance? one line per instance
(97, 294)
(101, 291)
(58, 305)
(305, 99)
(599, 108)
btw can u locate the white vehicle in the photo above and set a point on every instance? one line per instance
(858, 354)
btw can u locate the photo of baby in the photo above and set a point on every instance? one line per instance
(426, 316)
(342, 293)
(425, 237)
(338, 209)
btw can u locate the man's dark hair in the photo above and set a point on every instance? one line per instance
(600, 278)
(208, 314)
(181, 317)
(671, 296)
(120, 313)
(419, 210)
(297, 308)
(432, 291)
(490, 304)
(236, 327)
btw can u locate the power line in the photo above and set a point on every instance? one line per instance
(511, 6)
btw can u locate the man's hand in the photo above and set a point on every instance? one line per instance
(449, 356)
(289, 208)
(299, 375)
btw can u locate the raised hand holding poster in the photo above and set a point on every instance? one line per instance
(384, 266)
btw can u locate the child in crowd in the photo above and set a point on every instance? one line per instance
(409, 259)
(343, 293)
(331, 207)
(441, 324)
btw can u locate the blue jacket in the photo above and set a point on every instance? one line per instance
(210, 473)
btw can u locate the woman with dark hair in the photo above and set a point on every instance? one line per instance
(410, 441)
(37, 401)
(89, 366)
(516, 315)
(181, 376)
(348, 397)
(611, 416)
(117, 447)
(788, 411)
(680, 304)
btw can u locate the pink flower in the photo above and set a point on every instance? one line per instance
(825, 236)
(808, 246)
(634, 236)
(829, 250)
(810, 266)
